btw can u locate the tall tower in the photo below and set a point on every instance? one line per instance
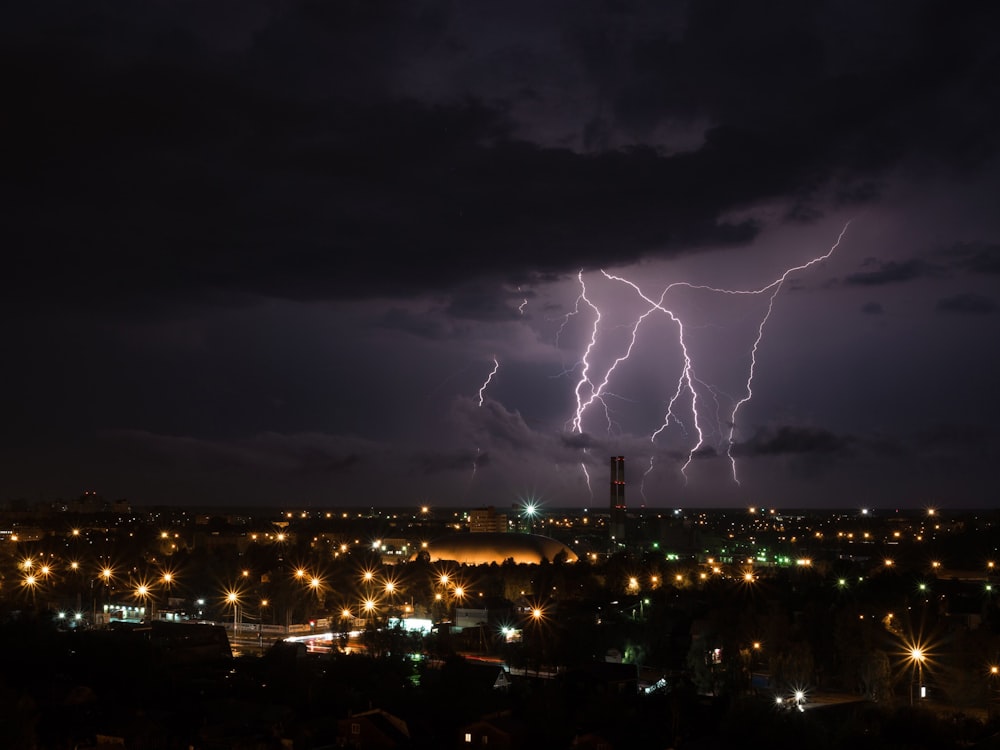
(617, 526)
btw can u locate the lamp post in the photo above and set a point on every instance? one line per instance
(233, 600)
(260, 622)
(142, 593)
(106, 575)
(369, 607)
(537, 615)
(917, 658)
(167, 579)
(316, 584)
(31, 582)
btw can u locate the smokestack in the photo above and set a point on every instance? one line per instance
(617, 525)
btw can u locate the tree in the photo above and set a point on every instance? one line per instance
(875, 675)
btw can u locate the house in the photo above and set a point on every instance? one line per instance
(591, 741)
(494, 731)
(376, 729)
(489, 676)
(604, 678)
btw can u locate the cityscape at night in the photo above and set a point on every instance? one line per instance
(456, 623)
(414, 374)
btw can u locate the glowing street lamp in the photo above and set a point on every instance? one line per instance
(30, 581)
(106, 575)
(167, 579)
(917, 657)
(233, 599)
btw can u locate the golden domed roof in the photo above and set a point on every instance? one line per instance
(485, 548)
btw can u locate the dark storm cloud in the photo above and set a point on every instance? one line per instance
(869, 84)
(393, 170)
(425, 325)
(291, 161)
(485, 302)
(790, 439)
(975, 257)
(961, 436)
(269, 452)
(967, 304)
(578, 440)
(505, 436)
(879, 273)
(436, 462)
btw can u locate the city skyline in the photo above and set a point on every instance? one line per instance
(398, 254)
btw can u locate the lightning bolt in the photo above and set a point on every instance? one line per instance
(760, 335)
(524, 303)
(592, 388)
(482, 399)
(482, 388)
(685, 382)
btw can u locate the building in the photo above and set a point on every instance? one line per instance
(373, 729)
(487, 520)
(617, 508)
(491, 547)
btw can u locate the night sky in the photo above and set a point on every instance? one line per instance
(267, 252)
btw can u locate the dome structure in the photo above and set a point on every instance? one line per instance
(487, 547)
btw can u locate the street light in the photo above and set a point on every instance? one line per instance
(917, 656)
(106, 575)
(168, 579)
(369, 606)
(233, 599)
(31, 583)
(142, 593)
